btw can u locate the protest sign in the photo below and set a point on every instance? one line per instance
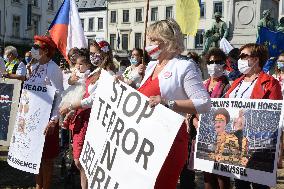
(9, 100)
(239, 138)
(28, 139)
(126, 141)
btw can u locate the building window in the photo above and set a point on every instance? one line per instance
(35, 3)
(91, 24)
(138, 15)
(169, 12)
(218, 7)
(112, 16)
(82, 22)
(202, 10)
(124, 41)
(100, 23)
(154, 14)
(16, 26)
(199, 39)
(112, 40)
(35, 25)
(125, 16)
(16, 1)
(50, 5)
(138, 40)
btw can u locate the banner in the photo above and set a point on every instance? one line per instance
(28, 139)
(239, 138)
(9, 100)
(127, 141)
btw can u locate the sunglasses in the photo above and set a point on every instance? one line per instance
(244, 56)
(36, 46)
(220, 62)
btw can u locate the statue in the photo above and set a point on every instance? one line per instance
(280, 27)
(266, 21)
(216, 33)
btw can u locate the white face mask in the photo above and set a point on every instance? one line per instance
(153, 51)
(35, 54)
(215, 70)
(243, 66)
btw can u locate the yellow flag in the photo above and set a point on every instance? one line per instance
(187, 15)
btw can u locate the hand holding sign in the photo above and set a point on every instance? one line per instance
(121, 147)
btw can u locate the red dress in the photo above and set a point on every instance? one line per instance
(51, 144)
(171, 169)
(79, 124)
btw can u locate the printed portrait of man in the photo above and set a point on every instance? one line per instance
(230, 147)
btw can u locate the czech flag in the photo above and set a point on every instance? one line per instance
(66, 29)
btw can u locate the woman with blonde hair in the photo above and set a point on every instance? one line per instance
(175, 82)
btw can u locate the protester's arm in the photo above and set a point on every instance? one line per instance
(198, 99)
(14, 76)
(20, 73)
(275, 91)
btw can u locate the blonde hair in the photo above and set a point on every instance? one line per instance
(170, 33)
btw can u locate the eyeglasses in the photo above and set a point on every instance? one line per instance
(244, 56)
(220, 62)
(36, 46)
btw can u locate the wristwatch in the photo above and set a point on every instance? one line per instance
(171, 104)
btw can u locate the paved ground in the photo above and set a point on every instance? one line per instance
(11, 178)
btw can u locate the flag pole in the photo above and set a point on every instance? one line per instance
(146, 23)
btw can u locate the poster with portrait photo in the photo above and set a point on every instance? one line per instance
(239, 138)
(9, 100)
(27, 142)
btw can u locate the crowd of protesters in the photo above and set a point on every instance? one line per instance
(238, 74)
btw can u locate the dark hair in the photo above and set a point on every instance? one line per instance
(234, 53)
(194, 56)
(140, 51)
(144, 56)
(71, 52)
(84, 55)
(223, 112)
(259, 51)
(217, 53)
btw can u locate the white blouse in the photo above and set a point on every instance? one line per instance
(181, 80)
(49, 74)
(243, 90)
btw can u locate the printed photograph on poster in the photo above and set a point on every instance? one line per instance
(240, 137)
(9, 99)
